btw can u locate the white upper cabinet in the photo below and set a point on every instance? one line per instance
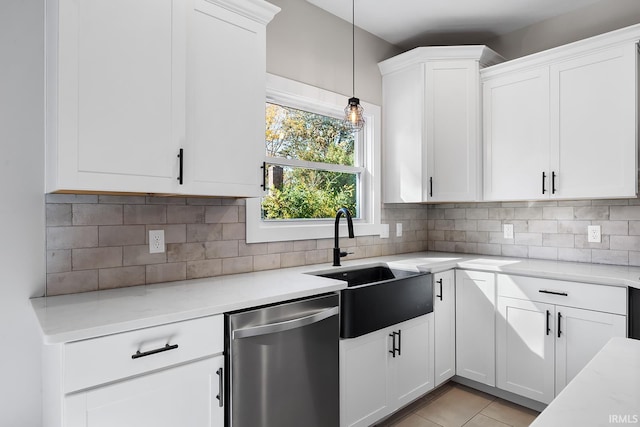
(431, 122)
(226, 92)
(516, 135)
(563, 123)
(131, 83)
(593, 122)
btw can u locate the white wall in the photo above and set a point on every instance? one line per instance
(598, 18)
(22, 253)
(307, 44)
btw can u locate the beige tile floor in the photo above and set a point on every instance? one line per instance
(454, 405)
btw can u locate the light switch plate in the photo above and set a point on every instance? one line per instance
(399, 229)
(508, 231)
(384, 231)
(594, 234)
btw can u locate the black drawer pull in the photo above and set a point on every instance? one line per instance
(544, 291)
(157, 350)
(553, 183)
(430, 186)
(544, 176)
(440, 283)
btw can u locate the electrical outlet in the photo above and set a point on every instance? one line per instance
(593, 234)
(508, 231)
(399, 229)
(384, 232)
(156, 241)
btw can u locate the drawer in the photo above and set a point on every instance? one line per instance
(610, 299)
(100, 360)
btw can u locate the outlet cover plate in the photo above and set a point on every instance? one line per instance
(384, 231)
(508, 231)
(399, 229)
(594, 234)
(156, 241)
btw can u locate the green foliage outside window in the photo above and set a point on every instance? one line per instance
(309, 192)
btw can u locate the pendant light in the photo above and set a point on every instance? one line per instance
(353, 113)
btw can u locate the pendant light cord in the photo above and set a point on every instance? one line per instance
(353, 45)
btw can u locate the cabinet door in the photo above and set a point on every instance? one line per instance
(411, 371)
(593, 128)
(452, 108)
(225, 102)
(403, 149)
(444, 310)
(113, 77)
(516, 135)
(181, 396)
(525, 337)
(580, 335)
(364, 379)
(475, 326)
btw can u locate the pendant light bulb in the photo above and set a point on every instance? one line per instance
(354, 113)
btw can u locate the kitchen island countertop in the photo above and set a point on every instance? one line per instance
(605, 393)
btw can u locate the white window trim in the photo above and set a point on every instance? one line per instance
(309, 98)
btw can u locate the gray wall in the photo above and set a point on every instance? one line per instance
(22, 209)
(309, 45)
(601, 17)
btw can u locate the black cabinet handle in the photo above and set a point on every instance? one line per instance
(393, 344)
(156, 351)
(440, 283)
(548, 316)
(220, 395)
(553, 183)
(544, 291)
(181, 157)
(559, 320)
(264, 175)
(544, 177)
(399, 342)
(430, 186)
(394, 348)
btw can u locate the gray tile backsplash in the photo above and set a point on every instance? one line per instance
(553, 230)
(100, 242)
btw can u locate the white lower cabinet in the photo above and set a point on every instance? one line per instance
(180, 396)
(444, 311)
(384, 370)
(583, 333)
(475, 326)
(165, 376)
(541, 345)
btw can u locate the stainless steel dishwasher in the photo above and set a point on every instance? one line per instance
(282, 364)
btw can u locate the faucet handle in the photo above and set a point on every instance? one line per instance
(344, 253)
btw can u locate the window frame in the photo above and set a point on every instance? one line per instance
(305, 97)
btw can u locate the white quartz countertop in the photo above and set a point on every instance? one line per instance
(605, 393)
(80, 316)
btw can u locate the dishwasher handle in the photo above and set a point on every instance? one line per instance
(287, 325)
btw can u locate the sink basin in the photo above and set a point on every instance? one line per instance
(378, 296)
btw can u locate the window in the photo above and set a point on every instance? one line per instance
(314, 165)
